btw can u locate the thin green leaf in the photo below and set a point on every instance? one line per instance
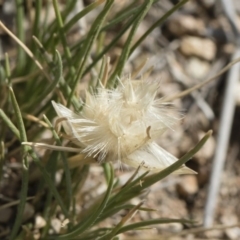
(81, 14)
(67, 52)
(81, 178)
(85, 224)
(115, 209)
(9, 123)
(92, 35)
(136, 226)
(150, 180)
(7, 67)
(43, 52)
(49, 209)
(114, 199)
(25, 174)
(52, 27)
(107, 171)
(121, 223)
(2, 157)
(128, 12)
(36, 24)
(157, 24)
(58, 76)
(20, 32)
(65, 164)
(111, 44)
(49, 182)
(126, 50)
(58, 72)
(93, 234)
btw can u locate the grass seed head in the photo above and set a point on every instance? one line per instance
(122, 124)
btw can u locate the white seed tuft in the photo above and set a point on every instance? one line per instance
(122, 124)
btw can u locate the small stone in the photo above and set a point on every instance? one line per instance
(197, 68)
(65, 222)
(231, 219)
(56, 225)
(186, 24)
(188, 186)
(233, 233)
(40, 222)
(214, 234)
(208, 3)
(199, 47)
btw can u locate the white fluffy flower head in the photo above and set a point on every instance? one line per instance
(122, 124)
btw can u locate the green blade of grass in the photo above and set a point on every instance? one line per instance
(26, 49)
(135, 188)
(136, 226)
(48, 208)
(94, 234)
(81, 178)
(36, 24)
(114, 199)
(2, 157)
(107, 171)
(123, 16)
(65, 164)
(115, 209)
(25, 173)
(9, 123)
(43, 52)
(67, 52)
(119, 226)
(49, 182)
(52, 27)
(57, 73)
(81, 14)
(150, 180)
(72, 21)
(126, 50)
(157, 23)
(92, 35)
(111, 44)
(7, 67)
(21, 57)
(35, 27)
(85, 224)
(57, 70)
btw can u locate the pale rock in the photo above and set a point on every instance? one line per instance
(197, 68)
(199, 47)
(214, 234)
(208, 3)
(188, 186)
(56, 225)
(231, 219)
(229, 48)
(233, 233)
(36, 235)
(40, 222)
(186, 24)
